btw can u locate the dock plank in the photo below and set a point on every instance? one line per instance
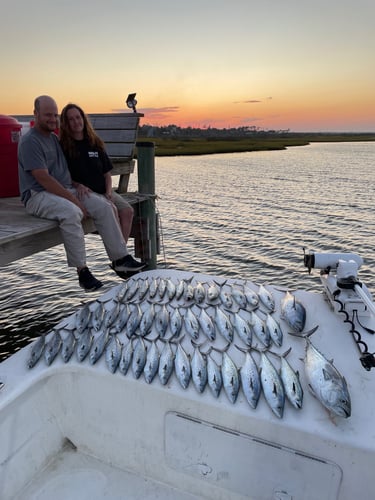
(22, 234)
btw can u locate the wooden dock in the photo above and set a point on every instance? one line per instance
(22, 235)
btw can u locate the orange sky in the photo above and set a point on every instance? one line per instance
(273, 65)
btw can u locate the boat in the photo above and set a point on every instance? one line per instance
(96, 426)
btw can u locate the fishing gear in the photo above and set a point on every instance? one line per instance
(347, 295)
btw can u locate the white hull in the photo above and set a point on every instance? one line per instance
(78, 431)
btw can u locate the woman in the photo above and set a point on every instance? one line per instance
(89, 163)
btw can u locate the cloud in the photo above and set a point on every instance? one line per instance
(253, 101)
(155, 113)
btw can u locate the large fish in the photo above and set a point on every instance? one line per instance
(162, 320)
(152, 362)
(291, 382)
(53, 347)
(274, 329)
(250, 380)
(199, 370)
(213, 292)
(214, 378)
(199, 292)
(139, 357)
(175, 322)
(98, 346)
(126, 357)
(224, 325)
(113, 353)
(147, 320)
(68, 346)
(326, 383)
(111, 315)
(207, 325)
(259, 328)
(36, 351)
(243, 329)
(84, 344)
(83, 318)
(166, 363)
(293, 312)
(191, 324)
(134, 319)
(272, 386)
(266, 298)
(230, 376)
(182, 367)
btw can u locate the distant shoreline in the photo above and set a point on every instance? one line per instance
(203, 146)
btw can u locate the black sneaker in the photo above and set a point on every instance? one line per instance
(127, 264)
(88, 281)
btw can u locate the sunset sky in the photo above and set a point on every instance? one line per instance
(272, 64)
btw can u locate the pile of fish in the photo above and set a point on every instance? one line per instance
(215, 335)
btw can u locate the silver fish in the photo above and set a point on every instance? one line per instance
(207, 325)
(113, 353)
(122, 318)
(182, 367)
(180, 289)
(214, 378)
(266, 298)
(153, 289)
(199, 293)
(36, 351)
(84, 342)
(272, 386)
(147, 320)
(293, 312)
(189, 292)
(175, 322)
(139, 357)
(120, 297)
(213, 292)
(68, 346)
(274, 330)
(250, 380)
(166, 363)
(239, 297)
(226, 299)
(199, 370)
(53, 347)
(224, 325)
(191, 324)
(133, 286)
(83, 318)
(243, 329)
(143, 288)
(98, 346)
(152, 362)
(259, 329)
(231, 380)
(111, 315)
(126, 357)
(162, 320)
(252, 298)
(171, 289)
(134, 319)
(97, 316)
(326, 383)
(291, 383)
(162, 288)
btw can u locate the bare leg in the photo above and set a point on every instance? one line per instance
(126, 218)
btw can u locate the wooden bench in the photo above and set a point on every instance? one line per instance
(22, 235)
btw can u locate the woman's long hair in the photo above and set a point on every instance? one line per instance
(66, 139)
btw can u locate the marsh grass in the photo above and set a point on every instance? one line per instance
(203, 146)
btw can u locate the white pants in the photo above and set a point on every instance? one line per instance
(50, 206)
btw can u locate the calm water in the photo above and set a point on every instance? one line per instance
(245, 215)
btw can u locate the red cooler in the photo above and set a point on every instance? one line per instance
(10, 131)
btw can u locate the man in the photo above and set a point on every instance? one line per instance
(47, 191)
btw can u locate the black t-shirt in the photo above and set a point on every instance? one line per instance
(89, 166)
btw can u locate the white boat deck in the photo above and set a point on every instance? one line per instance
(82, 432)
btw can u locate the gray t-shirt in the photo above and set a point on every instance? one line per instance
(38, 151)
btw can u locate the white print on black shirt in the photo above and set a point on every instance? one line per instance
(93, 154)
